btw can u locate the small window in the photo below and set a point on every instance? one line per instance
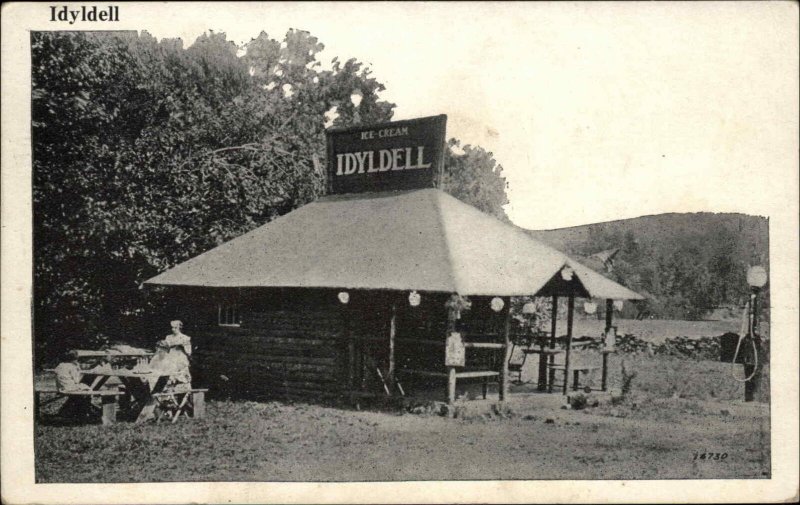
(228, 314)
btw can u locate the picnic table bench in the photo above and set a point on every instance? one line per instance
(108, 399)
(576, 371)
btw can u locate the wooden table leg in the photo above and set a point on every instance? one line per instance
(147, 411)
(604, 377)
(109, 409)
(575, 379)
(98, 382)
(199, 404)
(142, 391)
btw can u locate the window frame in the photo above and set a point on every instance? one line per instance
(226, 308)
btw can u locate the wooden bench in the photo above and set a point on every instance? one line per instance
(515, 367)
(182, 403)
(576, 370)
(108, 400)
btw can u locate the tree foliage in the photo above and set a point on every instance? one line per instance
(684, 277)
(475, 177)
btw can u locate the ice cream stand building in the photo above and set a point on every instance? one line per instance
(385, 286)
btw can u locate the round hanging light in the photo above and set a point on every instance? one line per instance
(567, 273)
(590, 307)
(344, 297)
(497, 304)
(618, 304)
(528, 308)
(414, 299)
(757, 276)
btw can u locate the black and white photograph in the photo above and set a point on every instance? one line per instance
(439, 252)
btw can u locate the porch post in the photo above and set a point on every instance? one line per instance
(451, 389)
(392, 334)
(351, 349)
(503, 393)
(609, 321)
(451, 371)
(553, 326)
(570, 311)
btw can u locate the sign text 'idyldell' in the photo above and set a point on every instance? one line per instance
(386, 157)
(402, 158)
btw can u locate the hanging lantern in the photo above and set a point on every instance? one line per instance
(414, 299)
(344, 297)
(497, 304)
(618, 304)
(529, 308)
(590, 307)
(567, 273)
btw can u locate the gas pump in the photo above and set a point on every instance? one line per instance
(744, 348)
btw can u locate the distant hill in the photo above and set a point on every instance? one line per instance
(688, 264)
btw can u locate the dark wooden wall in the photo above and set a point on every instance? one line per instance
(293, 343)
(288, 345)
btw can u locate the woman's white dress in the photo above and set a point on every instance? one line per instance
(172, 357)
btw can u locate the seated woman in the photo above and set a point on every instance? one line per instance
(69, 380)
(68, 375)
(172, 357)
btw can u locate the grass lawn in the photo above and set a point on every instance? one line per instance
(677, 408)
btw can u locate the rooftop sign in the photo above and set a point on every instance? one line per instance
(385, 157)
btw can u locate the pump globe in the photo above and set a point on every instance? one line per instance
(757, 276)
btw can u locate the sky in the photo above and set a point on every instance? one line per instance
(596, 111)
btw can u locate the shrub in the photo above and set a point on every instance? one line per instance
(578, 402)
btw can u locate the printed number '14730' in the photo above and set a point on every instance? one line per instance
(711, 456)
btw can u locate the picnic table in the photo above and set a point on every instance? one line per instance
(546, 380)
(140, 386)
(112, 356)
(138, 391)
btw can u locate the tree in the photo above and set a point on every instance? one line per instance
(475, 177)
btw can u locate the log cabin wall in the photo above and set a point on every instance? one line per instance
(285, 344)
(293, 343)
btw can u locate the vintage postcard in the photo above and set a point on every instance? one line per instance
(400, 252)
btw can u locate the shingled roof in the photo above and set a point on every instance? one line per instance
(422, 240)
